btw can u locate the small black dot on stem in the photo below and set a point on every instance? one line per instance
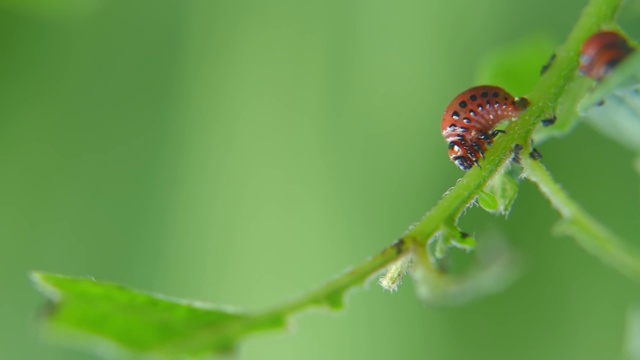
(549, 122)
(517, 148)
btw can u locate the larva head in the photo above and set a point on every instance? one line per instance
(469, 120)
(601, 53)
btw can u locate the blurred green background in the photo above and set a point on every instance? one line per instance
(242, 152)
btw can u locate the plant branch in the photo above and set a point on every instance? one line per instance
(586, 230)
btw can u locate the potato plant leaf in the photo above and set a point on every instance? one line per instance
(143, 323)
(504, 190)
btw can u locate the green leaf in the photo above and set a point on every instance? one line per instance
(503, 188)
(144, 323)
(450, 236)
(464, 241)
(487, 201)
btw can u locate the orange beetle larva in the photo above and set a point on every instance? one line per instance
(601, 53)
(468, 122)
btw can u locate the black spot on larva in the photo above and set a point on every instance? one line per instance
(455, 115)
(480, 108)
(452, 127)
(466, 121)
(488, 104)
(452, 145)
(462, 162)
(472, 113)
(478, 148)
(473, 98)
(484, 94)
(495, 94)
(463, 129)
(462, 104)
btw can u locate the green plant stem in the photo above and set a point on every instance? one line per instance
(543, 98)
(586, 230)
(332, 293)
